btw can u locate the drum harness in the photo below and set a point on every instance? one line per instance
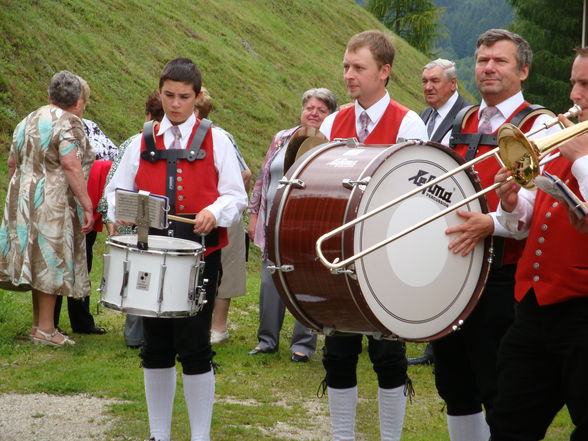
(191, 154)
(474, 140)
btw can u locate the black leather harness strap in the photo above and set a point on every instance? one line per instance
(153, 154)
(474, 140)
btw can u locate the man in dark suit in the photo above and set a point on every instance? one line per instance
(440, 91)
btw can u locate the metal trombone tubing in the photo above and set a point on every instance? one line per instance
(336, 264)
(318, 246)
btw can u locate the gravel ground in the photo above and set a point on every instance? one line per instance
(42, 417)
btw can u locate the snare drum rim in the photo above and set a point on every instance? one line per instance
(197, 250)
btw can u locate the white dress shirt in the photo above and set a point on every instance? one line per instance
(232, 197)
(411, 127)
(443, 111)
(505, 109)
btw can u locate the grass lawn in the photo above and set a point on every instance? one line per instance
(264, 397)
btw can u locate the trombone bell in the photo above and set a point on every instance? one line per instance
(522, 155)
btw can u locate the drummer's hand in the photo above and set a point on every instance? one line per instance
(508, 191)
(476, 227)
(580, 224)
(204, 222)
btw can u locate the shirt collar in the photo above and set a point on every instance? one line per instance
(506, 107)
(445, 108)
(185, 127)
(375, 111)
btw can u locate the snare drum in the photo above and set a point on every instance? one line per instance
(413, 288)
(162, 281)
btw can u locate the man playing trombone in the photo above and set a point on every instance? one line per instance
(465, 361)
(543, 358)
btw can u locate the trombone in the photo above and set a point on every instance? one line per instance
(515, 151)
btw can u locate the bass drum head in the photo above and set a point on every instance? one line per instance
(416, 286)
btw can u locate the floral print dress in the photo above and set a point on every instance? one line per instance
(42, 246)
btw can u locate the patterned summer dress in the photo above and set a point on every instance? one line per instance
(42, 246)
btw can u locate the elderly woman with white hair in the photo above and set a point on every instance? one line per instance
(48, 210)
(317, 104)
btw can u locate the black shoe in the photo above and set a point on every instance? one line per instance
(93, 330)
(299, 358)
(425, 359)
(263, 351)
(134, 346)
(61, 331)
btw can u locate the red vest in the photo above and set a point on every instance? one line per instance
(96, 183)
(196, 182)
(487, 169)
(385, 132)
(555, 260)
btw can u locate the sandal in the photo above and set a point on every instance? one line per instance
(33, 331)
(47, 339)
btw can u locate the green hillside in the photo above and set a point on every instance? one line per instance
(257, 57)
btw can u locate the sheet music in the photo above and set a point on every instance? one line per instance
(555, 187)
(127, 207)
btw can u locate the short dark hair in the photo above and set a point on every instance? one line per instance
(153, 106)
(182, 70)
(491, 36)
(65, 89)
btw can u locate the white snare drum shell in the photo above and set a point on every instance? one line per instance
(158, 282)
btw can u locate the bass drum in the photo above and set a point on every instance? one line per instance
(413, 288)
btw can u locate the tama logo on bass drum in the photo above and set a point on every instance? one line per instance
(436, 192)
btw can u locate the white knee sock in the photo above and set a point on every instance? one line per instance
(392, 405)
(342, 405)
(160, 389)
(199, 395)
(468, 427)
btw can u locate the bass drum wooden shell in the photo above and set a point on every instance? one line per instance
(413, 288)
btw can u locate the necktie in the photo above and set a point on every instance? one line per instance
(431, 123)
(176, 144)
(487, 114)
(364, 120)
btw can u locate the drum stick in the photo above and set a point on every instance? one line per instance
(181, 219)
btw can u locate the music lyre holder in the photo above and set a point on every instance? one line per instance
(144, 209)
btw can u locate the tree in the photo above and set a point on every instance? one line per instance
(552, 30)
(413, 20)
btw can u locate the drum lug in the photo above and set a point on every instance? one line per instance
(125, 280)
(350, 270)
(284, 268)
(349, 142)
(458, 326)
(296, 183)
(350, 184)
(491, 255)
